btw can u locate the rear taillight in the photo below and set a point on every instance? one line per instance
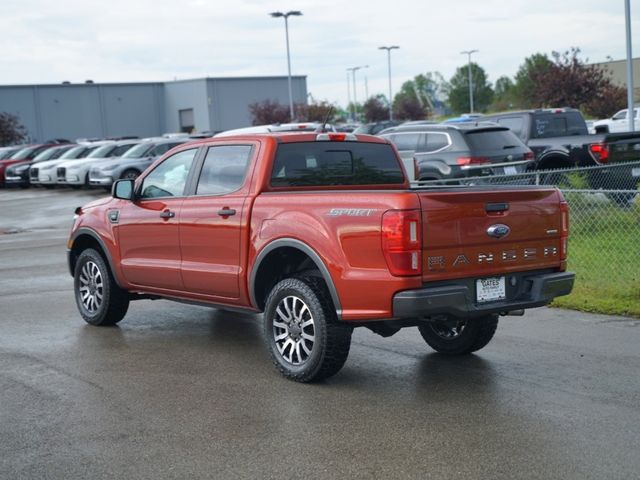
(564, 229)
(463, 161)
(529, 155)
(600, 152)
(402, 242)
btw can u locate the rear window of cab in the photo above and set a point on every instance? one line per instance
(310, 164)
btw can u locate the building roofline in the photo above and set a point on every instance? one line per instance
(624, 60)
(95, 84)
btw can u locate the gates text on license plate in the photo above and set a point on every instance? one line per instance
(490, 289)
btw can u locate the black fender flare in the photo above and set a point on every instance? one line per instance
(93, 234)
(555, 152)
(306, 249)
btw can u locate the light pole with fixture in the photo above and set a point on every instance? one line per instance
(348, 92)
(291, 13)
(353, 71)
(388, 49)
(631, 113)
(468, 53)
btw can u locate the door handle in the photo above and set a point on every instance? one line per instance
(167, 214)
(226, 212)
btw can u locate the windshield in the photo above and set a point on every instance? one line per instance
(23, 153)
(48, 154)
(101, 152)
(6, 153)
(138, 151)
(74, 152)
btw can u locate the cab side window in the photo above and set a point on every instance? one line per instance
(224, 169)
(170, 177)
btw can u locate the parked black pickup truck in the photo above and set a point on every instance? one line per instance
(559, 139)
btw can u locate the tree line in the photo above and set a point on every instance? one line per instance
(557, 80)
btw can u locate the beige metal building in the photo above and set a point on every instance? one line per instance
(618, 71)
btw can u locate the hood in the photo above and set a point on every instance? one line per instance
(48, 164)
(112, 162)
(82, 162)
(97, 203)
(19, 167)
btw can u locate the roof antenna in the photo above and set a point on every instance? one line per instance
(323, 126)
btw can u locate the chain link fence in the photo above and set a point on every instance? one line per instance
(604, 242)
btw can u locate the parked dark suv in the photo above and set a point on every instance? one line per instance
(460, 150)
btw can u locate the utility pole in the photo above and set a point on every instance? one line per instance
(468, 53)
(630, 102)
(292, 13)
(388, 49)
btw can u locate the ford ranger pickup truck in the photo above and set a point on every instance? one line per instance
(321, 232)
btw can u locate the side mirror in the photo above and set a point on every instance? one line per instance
(123, 189)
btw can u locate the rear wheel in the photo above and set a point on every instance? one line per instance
(304, 337)
(100, 301)
(454, 336)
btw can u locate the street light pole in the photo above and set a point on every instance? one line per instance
(630, 103)
(353, 71)
(292, 13)
(388, 49)
(348, 92)
(468, 53)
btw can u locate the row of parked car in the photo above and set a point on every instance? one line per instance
(508, 143)
(85, 163)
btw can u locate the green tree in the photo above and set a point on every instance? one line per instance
(504, 94)
(11, 131)
(418, 97)
(459, 89)
(531, 73)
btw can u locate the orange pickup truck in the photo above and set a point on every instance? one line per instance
(322, 232)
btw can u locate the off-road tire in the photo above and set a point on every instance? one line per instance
(476, 334)
(332, 338)
(114, 301)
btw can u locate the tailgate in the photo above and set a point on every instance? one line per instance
(623, 147)
(478, 233)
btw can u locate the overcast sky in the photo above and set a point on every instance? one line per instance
(144, 40)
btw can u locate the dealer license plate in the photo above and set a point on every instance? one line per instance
(635, 172)
(510, 170)
(490, 289)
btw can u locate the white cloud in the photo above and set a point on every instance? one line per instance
(159, 40)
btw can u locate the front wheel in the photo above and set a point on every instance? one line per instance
(303, 335)
(130, 174)
(454, 336)
(100, 301)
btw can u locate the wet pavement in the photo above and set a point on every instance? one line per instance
(177, 391)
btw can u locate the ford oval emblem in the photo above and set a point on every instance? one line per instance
(498, 231)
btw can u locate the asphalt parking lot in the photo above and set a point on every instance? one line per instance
(179, 391)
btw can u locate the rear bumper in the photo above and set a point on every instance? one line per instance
(458, 299)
